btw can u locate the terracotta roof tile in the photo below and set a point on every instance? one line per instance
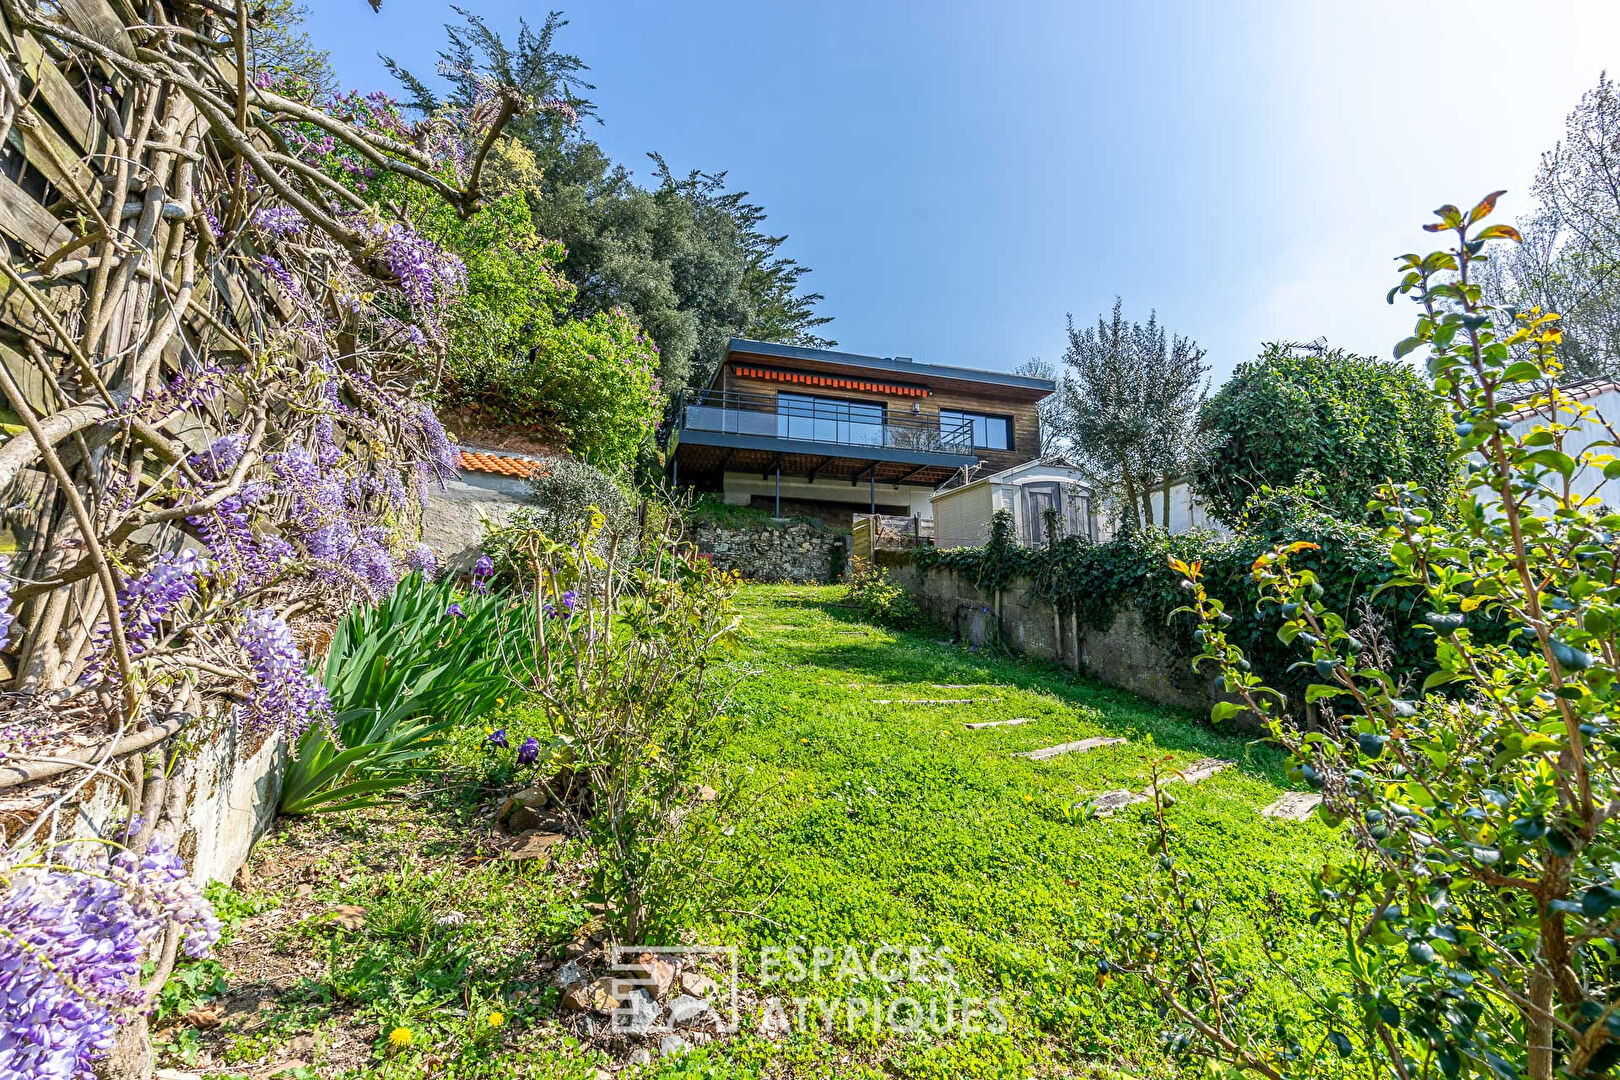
(499, 464)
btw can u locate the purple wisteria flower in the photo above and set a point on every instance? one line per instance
(74, 931)
(285, 695)
(6, 616)
(498, 738)
(421, 559)
(529, 752)
(278, 220)
(154, 596)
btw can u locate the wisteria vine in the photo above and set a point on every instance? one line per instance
(222, 354)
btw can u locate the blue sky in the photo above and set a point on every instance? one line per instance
(959, 176)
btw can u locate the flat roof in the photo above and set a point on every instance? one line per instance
(892, 364)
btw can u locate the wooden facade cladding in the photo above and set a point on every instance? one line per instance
(991, 400)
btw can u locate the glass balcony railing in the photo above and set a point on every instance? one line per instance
(801, 418)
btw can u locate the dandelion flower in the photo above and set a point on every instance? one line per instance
(497, 1018)
(400, 1038)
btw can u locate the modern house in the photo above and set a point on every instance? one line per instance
(834, 434)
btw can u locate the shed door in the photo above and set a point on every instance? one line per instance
(1037, 500)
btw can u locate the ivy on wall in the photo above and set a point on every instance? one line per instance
(1095, 581)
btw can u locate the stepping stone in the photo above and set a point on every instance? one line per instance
(1118, 799)
(999, 723)
(963, 686)
(1068, 748)
(1293, 806)
(1202, 769)
(931, 701)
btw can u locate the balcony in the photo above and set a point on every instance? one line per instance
(845, 424)
(794, 435)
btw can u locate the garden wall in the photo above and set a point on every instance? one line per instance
(794, 551)
(1127, 654)
(219, 800)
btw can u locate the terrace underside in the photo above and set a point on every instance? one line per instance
(702, 453)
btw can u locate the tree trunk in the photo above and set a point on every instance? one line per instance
(1167, 502)
(1129, 501)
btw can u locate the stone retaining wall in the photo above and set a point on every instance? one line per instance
(1126, 654)
(781, 550)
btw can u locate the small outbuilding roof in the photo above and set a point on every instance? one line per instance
(499, 464)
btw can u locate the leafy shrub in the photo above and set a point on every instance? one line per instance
(399, 673)
(519, 355)
(875, 595)
(1474, 914)
(562, 497)
(626, 654)
(1356, 420)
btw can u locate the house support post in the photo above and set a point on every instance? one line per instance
(872, 480)
(778, 487)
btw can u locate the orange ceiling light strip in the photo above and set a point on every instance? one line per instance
(831, 382)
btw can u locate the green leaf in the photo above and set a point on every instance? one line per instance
(1523, 371)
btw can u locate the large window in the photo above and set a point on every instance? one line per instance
(989, 432)
(802, 416)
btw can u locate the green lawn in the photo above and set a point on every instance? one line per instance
(868, 825)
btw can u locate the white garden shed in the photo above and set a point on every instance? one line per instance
(962, 510)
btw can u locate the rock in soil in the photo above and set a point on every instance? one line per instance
(697, 984)
(671, 1045)
(534, 845)
(636, 1014)
(569, 974)
(640, 1056)
(659, 973)
(348, 917)
(685, 1009)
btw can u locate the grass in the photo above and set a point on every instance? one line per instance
(869, 825)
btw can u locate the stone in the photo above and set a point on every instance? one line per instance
(597, 997)
(527, 819)
(931, 701)
(1202, 769)
(1000, 723)
(639, 1056)
(533, 797)
(637, 1013)
(686, 1009)
(697, 984)
(568, 974)
(1068, 748)
(1293, 806)
(773, 1019)
(1110, 801)
(707, 794)
(348, 917)
(671, 1046)
(658, 973)
(534, 845)
(451, 919)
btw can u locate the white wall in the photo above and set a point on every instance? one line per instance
(1590, 480)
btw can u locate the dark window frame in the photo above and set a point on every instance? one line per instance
(842, 416)
(967, 415)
